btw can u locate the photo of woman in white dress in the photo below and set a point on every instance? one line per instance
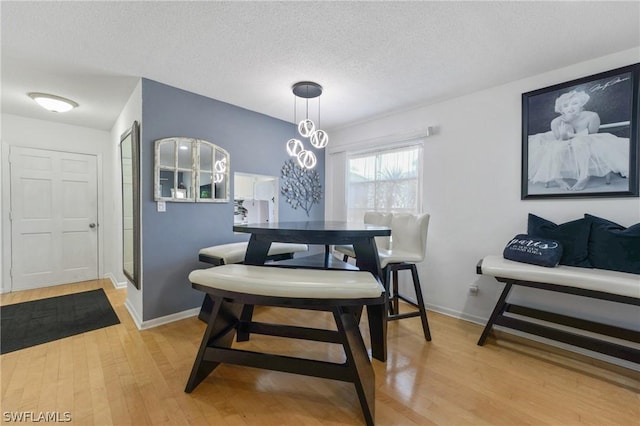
(573, 150)
(577, 152)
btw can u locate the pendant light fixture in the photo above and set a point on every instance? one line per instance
(306, 127)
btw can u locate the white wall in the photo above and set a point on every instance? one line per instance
(472, 190)
(131, 112)
(32, 133)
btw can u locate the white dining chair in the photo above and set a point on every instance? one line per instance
(408, 247)
(370, 218)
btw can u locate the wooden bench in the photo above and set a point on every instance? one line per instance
(619, 287)
(344, 293)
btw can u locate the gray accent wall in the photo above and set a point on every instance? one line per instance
(172, 239)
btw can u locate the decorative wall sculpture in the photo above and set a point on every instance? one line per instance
(301, 187)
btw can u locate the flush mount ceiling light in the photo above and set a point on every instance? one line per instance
(306, 127)
(53, 103)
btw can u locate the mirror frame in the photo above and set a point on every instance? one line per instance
(226, 174)
(132, 134)
(194, 186)
(158, 168)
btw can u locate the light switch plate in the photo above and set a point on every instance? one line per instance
(162, 206)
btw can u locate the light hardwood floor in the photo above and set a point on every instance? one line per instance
(122, 376)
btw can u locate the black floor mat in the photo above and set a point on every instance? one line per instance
(40, 321)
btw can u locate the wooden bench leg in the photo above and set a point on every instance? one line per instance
(497, 311)
(221, 330)
(205, 310)
(358, 361)
(245, 318)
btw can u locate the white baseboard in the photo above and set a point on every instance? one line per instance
(134, 314)
(144, 325)
(456, 314)
(114, 281)
(169, 318)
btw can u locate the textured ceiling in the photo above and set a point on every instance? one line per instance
(372, 58)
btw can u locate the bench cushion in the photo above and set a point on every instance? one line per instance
(289, 282)
(345, 249)
(620, 283)
(235, 252)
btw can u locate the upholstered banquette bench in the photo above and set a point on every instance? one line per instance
(614, 286)
(225, 254)
(343, 293)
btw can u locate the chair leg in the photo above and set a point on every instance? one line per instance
(358, 361)
(386, 282)
(219, 333)
(396, 304)
(420, 300)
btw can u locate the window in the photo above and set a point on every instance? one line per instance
(384, 180)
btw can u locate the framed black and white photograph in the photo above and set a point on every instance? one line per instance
(580, 138)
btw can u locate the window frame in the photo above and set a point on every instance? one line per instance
(377, 151)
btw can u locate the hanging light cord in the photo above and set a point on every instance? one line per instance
(307, 102)
(295, 110)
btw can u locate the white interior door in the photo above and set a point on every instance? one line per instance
(54, 211)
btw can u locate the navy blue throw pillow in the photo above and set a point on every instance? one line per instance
(614, 247)
(534, 250)
(573, 236)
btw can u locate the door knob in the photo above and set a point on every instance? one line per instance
(92, 225)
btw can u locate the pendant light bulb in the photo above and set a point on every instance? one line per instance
(294, 146)
(307, 159)
(319, 139)
(306, 127)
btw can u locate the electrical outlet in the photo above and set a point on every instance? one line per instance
(162, 206)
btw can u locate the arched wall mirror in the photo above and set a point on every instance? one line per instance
(190, 170)
(130, 167)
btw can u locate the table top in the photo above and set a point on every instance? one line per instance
(345, 229)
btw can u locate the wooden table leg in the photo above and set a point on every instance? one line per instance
(367, 260)
(257, 252)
